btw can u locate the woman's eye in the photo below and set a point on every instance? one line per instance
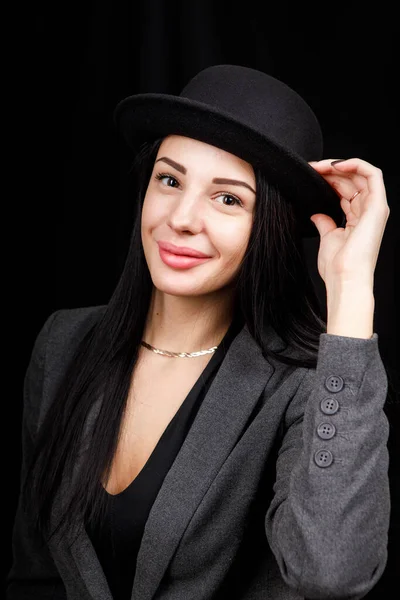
(233, 200)
(162, 176)
(173, 182)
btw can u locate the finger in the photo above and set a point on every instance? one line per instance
(324, 165)
(348, 166)
(345, 187)
(345, 184)
(363, 174)
(373, 175)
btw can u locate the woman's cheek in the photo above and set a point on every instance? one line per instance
(152, 214)
(235, 238)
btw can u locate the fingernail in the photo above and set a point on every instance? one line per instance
(333, 163)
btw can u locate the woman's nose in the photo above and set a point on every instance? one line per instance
(186, 214)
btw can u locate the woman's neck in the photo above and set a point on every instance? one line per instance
(188, 324)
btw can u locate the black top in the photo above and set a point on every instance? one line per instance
(117, 542)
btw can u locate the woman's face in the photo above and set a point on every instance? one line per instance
(190, 204)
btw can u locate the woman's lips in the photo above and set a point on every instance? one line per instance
(182, 250)
(180, 261)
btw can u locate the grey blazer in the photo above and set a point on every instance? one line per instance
(280, 490)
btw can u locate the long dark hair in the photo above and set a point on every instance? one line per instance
(273, 288)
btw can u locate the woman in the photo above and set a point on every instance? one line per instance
(207, 434)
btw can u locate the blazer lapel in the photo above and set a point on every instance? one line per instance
(219, 422)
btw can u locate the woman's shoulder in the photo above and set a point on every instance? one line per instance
(64, 324)
(53, 348)
(67, 322)
(76, 317)
(66, 328)
(61, 333)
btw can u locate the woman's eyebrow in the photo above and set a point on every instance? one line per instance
(183, 170)
(174, 164)
(232, 182)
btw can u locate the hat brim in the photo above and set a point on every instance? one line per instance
(144, 116)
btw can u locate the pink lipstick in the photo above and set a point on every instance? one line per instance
(180, 257)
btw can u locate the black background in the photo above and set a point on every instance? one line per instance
(74, 62)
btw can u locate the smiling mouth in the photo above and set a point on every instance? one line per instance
(181, 250)
(180, 261)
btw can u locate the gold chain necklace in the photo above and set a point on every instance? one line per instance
(179, 354)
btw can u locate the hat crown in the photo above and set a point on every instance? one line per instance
(261, 102)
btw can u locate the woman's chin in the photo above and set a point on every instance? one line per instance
(191, 287)
(179, 290)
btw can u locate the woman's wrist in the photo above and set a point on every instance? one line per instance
(350, 309)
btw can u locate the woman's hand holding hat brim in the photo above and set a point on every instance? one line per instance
(350, 253)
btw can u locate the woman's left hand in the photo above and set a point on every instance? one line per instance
(350, 253)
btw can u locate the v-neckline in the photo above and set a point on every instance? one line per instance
(212, 364)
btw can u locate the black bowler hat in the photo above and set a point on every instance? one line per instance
(247, 113)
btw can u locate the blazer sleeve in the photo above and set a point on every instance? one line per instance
(33, 573)
(328, 520)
